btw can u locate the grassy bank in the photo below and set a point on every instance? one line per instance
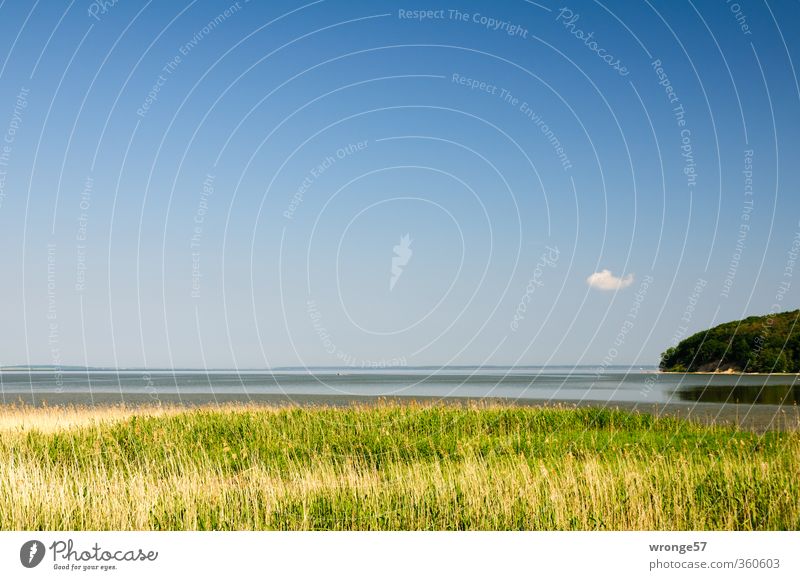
(389, 467)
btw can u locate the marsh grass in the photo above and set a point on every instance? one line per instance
(389, 467)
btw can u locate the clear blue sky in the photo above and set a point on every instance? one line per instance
(227, 184)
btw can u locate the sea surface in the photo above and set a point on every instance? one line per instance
(572, 384)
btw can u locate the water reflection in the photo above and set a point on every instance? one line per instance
(747, 394)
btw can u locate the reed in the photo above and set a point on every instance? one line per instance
(389, 467)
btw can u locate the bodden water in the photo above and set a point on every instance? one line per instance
(631, 385)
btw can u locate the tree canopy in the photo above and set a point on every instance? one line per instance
(765, 344)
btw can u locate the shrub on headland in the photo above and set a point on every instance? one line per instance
(758, 344)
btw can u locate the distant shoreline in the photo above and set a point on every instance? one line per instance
(325, 369)
(728, 373)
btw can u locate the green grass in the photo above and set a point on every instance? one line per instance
(393, 467)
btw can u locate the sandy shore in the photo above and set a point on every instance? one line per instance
(728, 372)
(751, 417)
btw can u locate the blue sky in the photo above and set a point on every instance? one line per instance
(225, 184)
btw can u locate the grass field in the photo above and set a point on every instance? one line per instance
(389, 467)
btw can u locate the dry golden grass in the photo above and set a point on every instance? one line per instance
(389, 467)
(52, 419)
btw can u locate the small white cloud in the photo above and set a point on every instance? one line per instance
(605, 280)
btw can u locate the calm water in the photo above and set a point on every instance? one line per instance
(530, 383)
